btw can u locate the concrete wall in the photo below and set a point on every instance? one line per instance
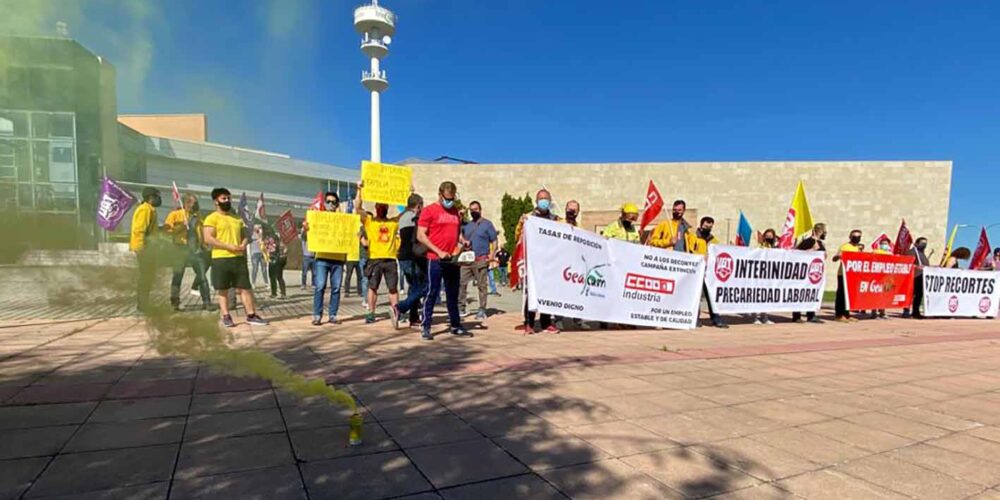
(869, 195)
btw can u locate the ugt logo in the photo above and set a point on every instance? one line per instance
(591, 278)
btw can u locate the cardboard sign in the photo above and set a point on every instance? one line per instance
(285, 225)
(384, 183)
(875, 281)
(333, 232)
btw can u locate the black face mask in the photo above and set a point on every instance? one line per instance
(225, 206)
(627, 224)
(678, 215)
(156, 201)
(921, 246)
(855, 239)
(705, 233)
(571, 214)
(769, 241)
(475, 215)
(822, 236)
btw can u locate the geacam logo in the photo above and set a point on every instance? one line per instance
(590, 279)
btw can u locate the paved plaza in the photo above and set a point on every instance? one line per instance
(874, 409)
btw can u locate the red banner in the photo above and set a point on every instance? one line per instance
(286, 227)
(876, 281)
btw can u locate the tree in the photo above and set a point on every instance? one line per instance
(511, 210)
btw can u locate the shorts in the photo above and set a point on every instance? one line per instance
(376, 269)
(230, 272)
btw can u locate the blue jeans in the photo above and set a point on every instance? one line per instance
(307, 267)
(503, 275)
(493, 283)
(416, 276)
(450, 275)
(322, 269)
(257, 259)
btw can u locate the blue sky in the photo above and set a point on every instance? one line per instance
(586, 81)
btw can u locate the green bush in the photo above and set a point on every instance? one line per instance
(511, 210)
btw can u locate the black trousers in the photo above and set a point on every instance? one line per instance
(545, 320)
(276, 273)
(918, 294)
(840, 304)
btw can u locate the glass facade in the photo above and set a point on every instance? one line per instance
(38, 170)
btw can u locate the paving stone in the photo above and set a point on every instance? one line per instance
(524, 486)
(969, 445)
(319, 414)
(232, 401)
(34, 442)
(897, 425)
(831, 485)
(908, 479)
(151, 388)
(154, 491)
(858, 435)
(59, 393)
(20, 417)
(812, 447)
(233, 455)
(563, 412)
(278, 483)
(757, 492)
(216, 383)
(16, 475)
(212, 426)
(408, 407)
(106, 436)
(620, 439)
(464, 462)
(135, 409)
(363, 477)
(953, 463)
(738, 422)
(757, 459)
(690, 473)
(934, 418)
(549, 449)
(780, 411)
(683, 429)
(423, 431)
(101, 470)
(504, 421)
(991, 433)
(332, 442)
(608, 479)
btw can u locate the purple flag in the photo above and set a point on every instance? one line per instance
(113, 204)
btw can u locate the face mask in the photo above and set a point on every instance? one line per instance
(822, 236)
(544, 204)
(922, 246)
(571, 214)
(627, 224)
(475, 215)
(705, 233)
(446, 203)
(769, 241)
(884, 247)
(225, 206)
(156, 201)
(855, 239)
(195, 208)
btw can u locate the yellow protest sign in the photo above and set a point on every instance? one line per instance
(333, 232)
(384, 183)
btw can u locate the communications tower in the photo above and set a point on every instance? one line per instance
(376, 24)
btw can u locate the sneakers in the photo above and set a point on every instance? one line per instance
(415, 324)
(394, 316)
(758, 322)
(552, 329)
(208, 307)
(317, 321)
(481, 315)
(195, 292)
(227, 321)
(369, 318)
(801, 320)
(843, 319)
(426, 335)
(767, 321)
(254, 319)
(720, 324)
(461, 332)
(816, 320)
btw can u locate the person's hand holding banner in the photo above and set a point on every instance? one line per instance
(332, 232)
(384, 183)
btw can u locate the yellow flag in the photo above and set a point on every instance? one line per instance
(803, 218)
(951, 245)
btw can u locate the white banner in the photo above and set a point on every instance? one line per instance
(575, 273)
(764, 280)
(961, 292)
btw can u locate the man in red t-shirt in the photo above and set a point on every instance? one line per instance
(438, 228)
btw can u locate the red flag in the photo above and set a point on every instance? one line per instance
(286, 227)
(177, 195)
(317, 203)
(260, 208)
(882, 237)
(517, 265)
(904, 240)
(982, 251)
(653, 206)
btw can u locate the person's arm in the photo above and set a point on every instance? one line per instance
(358, 203)
(426, 241)
(208, 234)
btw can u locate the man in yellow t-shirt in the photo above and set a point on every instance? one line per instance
(674, 234)
(185, 227)
(841, 313)
(143, 228)
(698, 245)
(226, 234)
(382, 233)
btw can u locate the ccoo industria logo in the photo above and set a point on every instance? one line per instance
(590, 279)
